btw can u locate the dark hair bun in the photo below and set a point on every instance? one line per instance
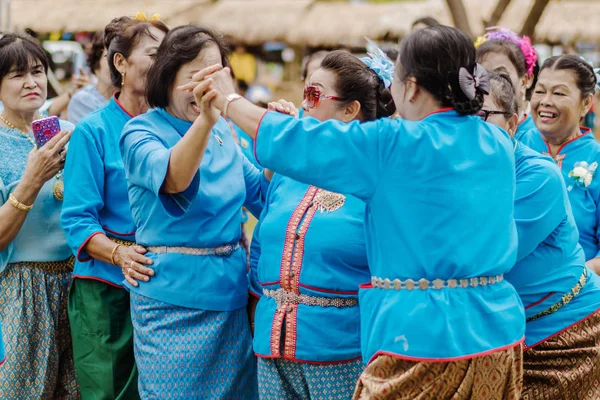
(385, 102)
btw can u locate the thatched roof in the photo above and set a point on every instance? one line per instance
(250, 21)
(308, 22)
(87, 15)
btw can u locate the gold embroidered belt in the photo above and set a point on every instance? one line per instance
(122, 242)
(51, 267)
(222, 251)
(566, 299)
(424, 284)
(283, 298)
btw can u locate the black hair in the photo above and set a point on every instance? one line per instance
(356, 81)
(514, 54)
(319, 55)
(180, 46)
(121, 35)
(434, 57)
(427, 21)
(585, 78)
(18, 52)
(95, 52)
(503, 92)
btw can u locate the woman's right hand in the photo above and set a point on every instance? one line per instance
(45, 162)
(132, 262)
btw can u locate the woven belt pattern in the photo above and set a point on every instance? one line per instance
(222, 251)
(283, 298)
(566, 299)
(437, 284)
(122, 242)
(51, 267)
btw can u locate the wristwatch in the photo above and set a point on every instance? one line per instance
(229, 99)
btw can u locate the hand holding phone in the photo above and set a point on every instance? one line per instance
(45, 129)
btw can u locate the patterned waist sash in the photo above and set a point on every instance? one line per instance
(122, 242)
(424, 284)
(284, 298)
(566, 299)
(222, 251)
(50, 267)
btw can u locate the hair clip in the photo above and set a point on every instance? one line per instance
(469, 83)
(141, 16)
(379, 62)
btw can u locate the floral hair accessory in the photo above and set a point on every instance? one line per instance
(379, 62)
(141, 16)
(582, 174)
(524, 44)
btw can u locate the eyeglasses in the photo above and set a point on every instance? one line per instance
(313, 96)
(485, 114)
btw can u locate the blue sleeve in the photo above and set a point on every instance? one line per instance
(254, 286)
(540, 206)
(84, 168)
(597, 203)
(256, 186)
(4, 254)
(146, 159)
(341, 157)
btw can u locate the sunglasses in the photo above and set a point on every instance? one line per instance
(485, 114)
(313, 96)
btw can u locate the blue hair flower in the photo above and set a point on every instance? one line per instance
(379, 62)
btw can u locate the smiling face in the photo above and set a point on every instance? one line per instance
(25, 91)
(557, 105)
(182, 104)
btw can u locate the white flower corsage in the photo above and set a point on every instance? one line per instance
(582, 174)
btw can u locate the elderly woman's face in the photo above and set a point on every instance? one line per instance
(25, 91)
(182, 104)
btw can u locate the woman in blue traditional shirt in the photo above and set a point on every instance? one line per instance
(96, 217)
(188, 181)
(35, 260)
(438, 319)
(316, 354)
(562, 97)
(97, 94)
(560, 294)
(503, 51)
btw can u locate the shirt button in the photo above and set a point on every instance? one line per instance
(290, 309)
(297, 236)
(292, 274)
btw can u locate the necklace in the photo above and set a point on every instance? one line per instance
(59, 186)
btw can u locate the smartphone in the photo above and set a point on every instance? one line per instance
(45, 129)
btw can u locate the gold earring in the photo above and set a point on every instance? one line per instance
(122, 79)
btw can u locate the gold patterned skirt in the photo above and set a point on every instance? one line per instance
(496, 376)
(566, 366)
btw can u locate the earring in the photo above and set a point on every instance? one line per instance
(122, 79)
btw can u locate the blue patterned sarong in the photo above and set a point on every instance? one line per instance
(281, 379)
(185, 353)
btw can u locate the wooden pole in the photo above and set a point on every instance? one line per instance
(459, 16)
(497, 14)
(534, 17)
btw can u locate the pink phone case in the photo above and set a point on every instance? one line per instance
(45, 129)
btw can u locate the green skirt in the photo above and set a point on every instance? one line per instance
(102, 341)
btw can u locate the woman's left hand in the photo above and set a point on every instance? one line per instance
(285, 107)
